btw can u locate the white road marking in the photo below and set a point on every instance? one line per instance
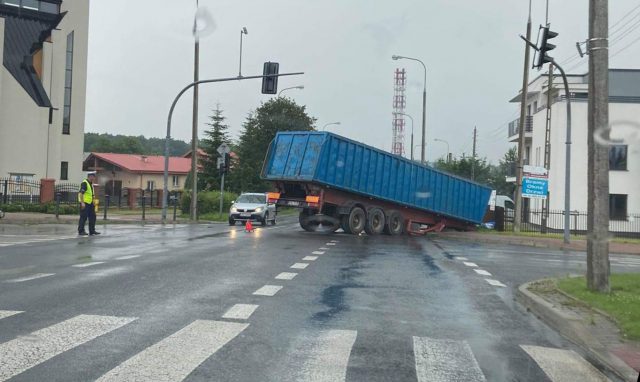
(299, 266)
(268, 290)
(495, 283)
(176, 356)
(25, 352)
(8, 313)
(84, 265)
(330, 244)
(31, 277)
(317, 253)
(324, 358)
(310, 258)
(286, 276)
(563, 365)
(462, 258)
(127, 257)
(469, 264)
(482, 272)
(445, 360)
(240, 311)
(335, 241)
(323, 248)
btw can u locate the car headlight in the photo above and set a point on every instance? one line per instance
(233, 209)
(259, 209)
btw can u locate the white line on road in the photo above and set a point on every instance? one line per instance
(8, 313)
(462, 258)
(564, 365)
(310, 258)
(176, 356)
(84, 265)
(324, 248)
(445, 360)
(31, 277)
(495, 283)
(286, 276)
(28, 351)
(469, 264)
(482, 272)
(268, 290)
(330, 244)
(335, 241)
(325, 357)
(317, 253)
(299, 266)
(240, 311)
(127, 257)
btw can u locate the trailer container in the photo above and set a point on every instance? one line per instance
(341, 183)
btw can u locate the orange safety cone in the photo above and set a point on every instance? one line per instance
(248, 227)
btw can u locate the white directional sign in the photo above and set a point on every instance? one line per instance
(224, 149)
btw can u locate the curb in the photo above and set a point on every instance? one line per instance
(574, 330)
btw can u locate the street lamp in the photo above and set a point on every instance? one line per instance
(445, 142)
(293, 87)
(424, 101)
(243, 31)
(330, 123)
(411, 118)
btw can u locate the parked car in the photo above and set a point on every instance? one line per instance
(254, 207)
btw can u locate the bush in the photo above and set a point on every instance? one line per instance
(208, 202)
(47, 208)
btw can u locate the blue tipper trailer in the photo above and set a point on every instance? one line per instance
(341, 183)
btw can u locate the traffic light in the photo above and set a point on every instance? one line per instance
(270, 84)
(543, 58)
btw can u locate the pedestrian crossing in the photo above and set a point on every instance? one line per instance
(314, 355)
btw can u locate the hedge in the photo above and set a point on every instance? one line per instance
(208, 202)
(47, 208)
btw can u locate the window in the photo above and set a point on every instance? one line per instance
(49, 7)
(176, 181)
(64, 170)
(68, 77)
(617, 207)
(535, 106)
(618, 158)
(151, 185)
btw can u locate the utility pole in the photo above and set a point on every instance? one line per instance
(547, 146)
(598, 267)
(473, 158)
(521, 133)
(194, 134)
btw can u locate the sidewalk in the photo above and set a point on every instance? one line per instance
(542, 242)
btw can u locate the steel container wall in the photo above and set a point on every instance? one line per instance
(344, 164)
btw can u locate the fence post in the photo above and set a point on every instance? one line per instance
(6, 191)
(58, 195)
(175, 206)
(143, 205)
(106, 205)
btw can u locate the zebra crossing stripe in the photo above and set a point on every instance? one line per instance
(325, 356)
(25, 352)
(176, 356)
(445, 360)
(564, 365)
(8, 313)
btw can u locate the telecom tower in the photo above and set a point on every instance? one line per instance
(399, 104)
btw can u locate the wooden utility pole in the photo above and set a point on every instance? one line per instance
(473, 158)
(598, 267)
(194, 133)
(523, 107)
(547, 146)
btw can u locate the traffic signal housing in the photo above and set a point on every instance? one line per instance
(270, 84)
(224, 164)
(545, 46)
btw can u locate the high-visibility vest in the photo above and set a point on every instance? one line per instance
(88, 194)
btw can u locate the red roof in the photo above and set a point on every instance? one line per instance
(145, 163)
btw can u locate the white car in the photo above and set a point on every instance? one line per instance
(254, 207)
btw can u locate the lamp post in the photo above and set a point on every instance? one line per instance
(293, 87)
(411, 118)
(424, 101)
(243, 31)
(330, 123)
(445, 142)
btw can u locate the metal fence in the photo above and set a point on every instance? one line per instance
(67, 193)
(553, 222)
(17, 190)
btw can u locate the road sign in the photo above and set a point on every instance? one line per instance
(224, 149)
(535, 171)
(536, 188)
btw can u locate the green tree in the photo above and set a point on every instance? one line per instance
(261, 126)
(125, 144)
(506, 167)
(467, 167)
(213, 138)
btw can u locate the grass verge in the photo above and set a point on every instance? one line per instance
(623, 303)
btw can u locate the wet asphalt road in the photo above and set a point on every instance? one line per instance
(202, 303)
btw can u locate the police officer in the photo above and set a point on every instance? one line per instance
(87, 209)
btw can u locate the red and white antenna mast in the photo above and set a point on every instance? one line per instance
(399, 104)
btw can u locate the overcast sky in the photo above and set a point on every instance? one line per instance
(141, 55)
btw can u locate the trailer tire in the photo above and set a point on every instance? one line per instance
(303, 219)
(375, 222)
(357, 220)
(344, 224)
(395, 223)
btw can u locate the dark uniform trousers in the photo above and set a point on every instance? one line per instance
(88, 212)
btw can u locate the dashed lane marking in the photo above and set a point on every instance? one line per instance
(299, 266)
(286, 276)
(30, 277)
(127, 257)
(330, 244)
(469, 264)
(268, 290)
(324, 358)
(240, 311)
(310, 258)
(563, 365)
(482, 272)
(462, 258)
(317, 252)
(8, 313)
(440, 360)
(324, 248)
(335, 241)
(176, 356)
(84, 265)
(25, 352)
(495, 283)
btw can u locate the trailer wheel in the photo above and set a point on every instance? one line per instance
(375, 222)
(395, 223)
(344, 224)
(357, 220)
(303, 219)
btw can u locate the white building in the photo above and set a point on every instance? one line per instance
(624, 161)
(43, 45)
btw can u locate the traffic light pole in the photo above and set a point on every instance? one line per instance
(221, 192)
(165, 190)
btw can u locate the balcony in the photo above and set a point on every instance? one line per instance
(514, 128)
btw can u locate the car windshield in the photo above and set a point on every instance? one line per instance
(251, 199)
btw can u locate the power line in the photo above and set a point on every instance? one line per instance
(626, 33)
(627, 46)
